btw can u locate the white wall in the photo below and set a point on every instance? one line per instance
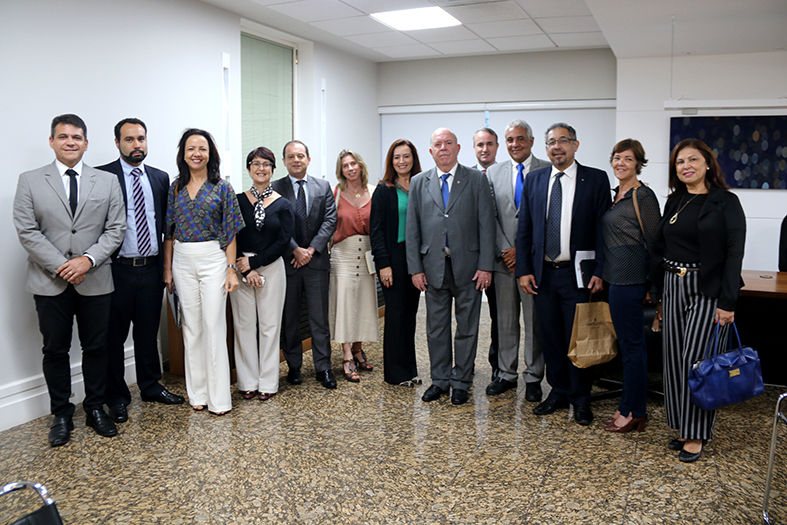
(644, 86)
(161, 62)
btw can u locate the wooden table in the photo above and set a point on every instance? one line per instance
(771, 285)
(760, 316)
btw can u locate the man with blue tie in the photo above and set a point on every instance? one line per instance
(450, 255)
(137, 271)
(560, 214)
(508, 179)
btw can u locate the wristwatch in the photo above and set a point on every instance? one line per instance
(232, 266)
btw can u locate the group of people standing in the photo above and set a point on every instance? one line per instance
(513, 228)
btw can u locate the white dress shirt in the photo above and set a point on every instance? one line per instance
(62, 168)
(450, 180)
(569, 186)
(525, 170)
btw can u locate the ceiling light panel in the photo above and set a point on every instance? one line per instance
(416, 19)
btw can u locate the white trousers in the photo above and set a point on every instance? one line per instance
(199, 270)
(257, 314)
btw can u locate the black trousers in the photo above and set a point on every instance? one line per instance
(137, 300)
(491, 299)
(556, 304)
(401, 309)
(56, 320)
(311, 285)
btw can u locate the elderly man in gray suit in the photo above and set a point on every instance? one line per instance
(70, 218)
(507, 179)
(450, 255)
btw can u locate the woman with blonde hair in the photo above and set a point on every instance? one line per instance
(352, 306)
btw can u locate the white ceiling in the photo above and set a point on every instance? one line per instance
(631, 28)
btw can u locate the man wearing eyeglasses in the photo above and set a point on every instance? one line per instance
(560, 214)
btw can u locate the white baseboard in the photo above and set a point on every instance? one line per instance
(28, 399)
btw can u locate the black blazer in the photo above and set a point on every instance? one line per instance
(721, 229)
(592, 199)
(159, 184)
(384, 224)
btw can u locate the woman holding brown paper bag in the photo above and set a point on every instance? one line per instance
(629, 227)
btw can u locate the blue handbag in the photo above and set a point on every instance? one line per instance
(727, 378)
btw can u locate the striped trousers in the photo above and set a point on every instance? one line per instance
(688, 325)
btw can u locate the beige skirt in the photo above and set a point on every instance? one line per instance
(352, 307)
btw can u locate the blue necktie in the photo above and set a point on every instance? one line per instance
(552, 247)
(444, 191)
(520, 181)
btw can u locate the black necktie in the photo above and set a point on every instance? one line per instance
(72, 193)
(301, 218)
(553, 219)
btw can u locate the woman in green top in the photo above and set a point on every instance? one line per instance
(387, 230)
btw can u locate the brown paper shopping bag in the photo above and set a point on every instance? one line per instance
(593, 338)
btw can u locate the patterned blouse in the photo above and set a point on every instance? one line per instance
(212, 215)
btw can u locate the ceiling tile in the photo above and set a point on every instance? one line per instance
(541, 8)
(408, 51)
(444, 34)
(378, 6)
(568, 24)
(508, 28)
(522, 43)
(463, 47)
(272, 2)
(391, 38)
(357, 25)
(579, 39)
(315, 10)
(487, 12)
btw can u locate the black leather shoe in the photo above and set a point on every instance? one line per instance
(458, 396)
(495, 373)
(326, 378)
(689, 457)
(533, 392)
(165, 397)
(294, 376)
(676, 444)
(118, 413)
(433, 393)
(499, 385)
(550, 406)
(60, 431)
(583, 415)
(99, 420)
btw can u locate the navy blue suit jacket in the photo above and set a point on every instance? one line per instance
(591, 200)
(159, 183)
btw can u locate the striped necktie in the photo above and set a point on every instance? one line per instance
(140, 215)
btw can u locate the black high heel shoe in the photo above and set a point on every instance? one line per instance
(691, 457)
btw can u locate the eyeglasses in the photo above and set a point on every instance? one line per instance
(562, 141)
(257, 164)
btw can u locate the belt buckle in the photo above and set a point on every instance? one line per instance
(135, 259)
(682, 271)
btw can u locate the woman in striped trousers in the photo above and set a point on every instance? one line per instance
(696, 268)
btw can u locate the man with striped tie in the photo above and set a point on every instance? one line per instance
(137, 271)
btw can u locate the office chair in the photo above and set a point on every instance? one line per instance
(46, 515)
(780, 417)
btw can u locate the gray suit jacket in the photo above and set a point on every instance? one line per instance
(51, 235)
(322, 220)
(507, 212)
(469, 222)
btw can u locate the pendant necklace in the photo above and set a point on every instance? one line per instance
(674, 218)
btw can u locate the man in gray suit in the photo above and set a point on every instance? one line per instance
(507, 179)
(308, 263)
(70, 218)
(450, 255)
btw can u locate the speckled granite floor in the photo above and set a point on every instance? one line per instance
(373, 453)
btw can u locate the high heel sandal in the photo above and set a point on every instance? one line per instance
(248, 394)
(362, 365)
(636, 422)
(350, 373)
(264, 397)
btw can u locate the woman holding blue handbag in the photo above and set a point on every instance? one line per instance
(697, 258)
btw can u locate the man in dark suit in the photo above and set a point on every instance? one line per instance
(507, 179)
(560, 214)
(69, 218)
(450, 255)
(308, 263)
(485, 145)
(137, 271)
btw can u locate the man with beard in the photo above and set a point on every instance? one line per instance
(137, 271)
